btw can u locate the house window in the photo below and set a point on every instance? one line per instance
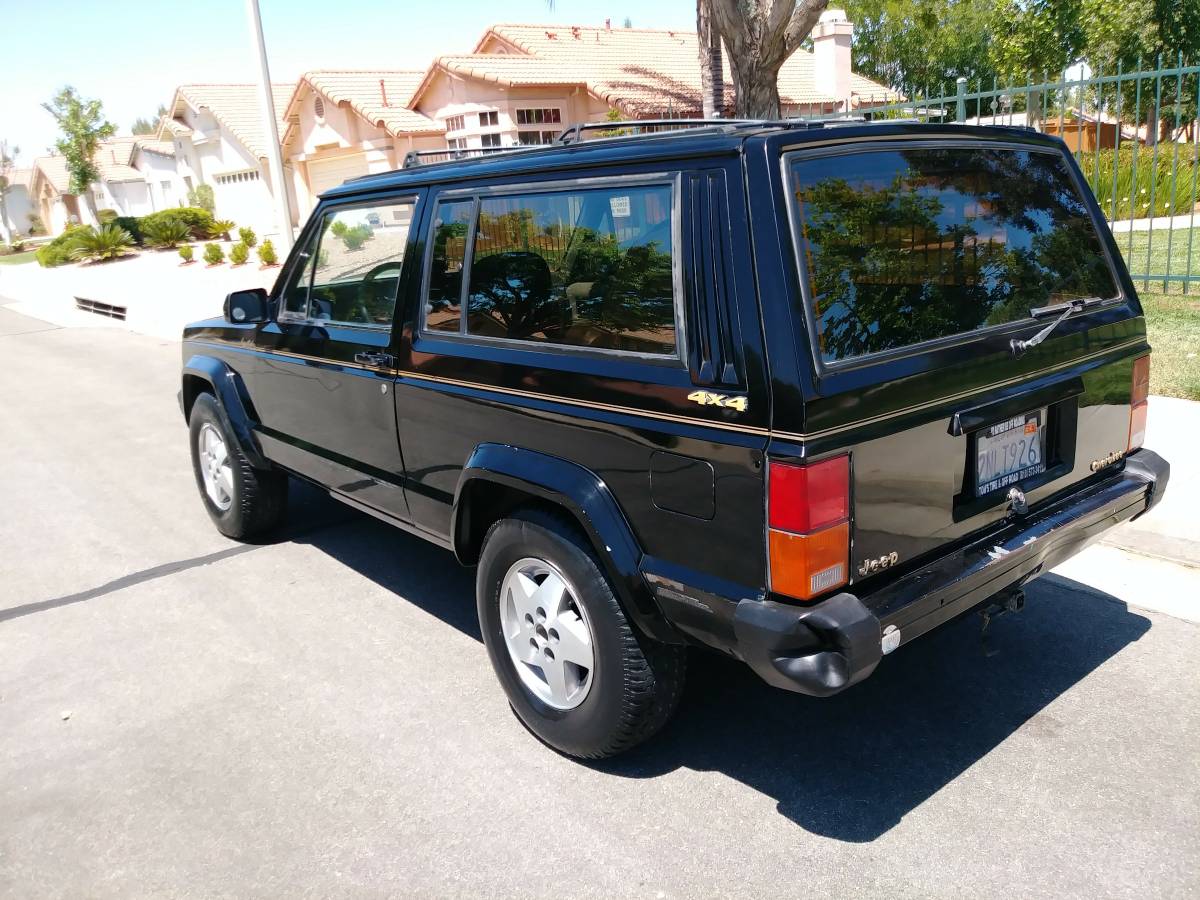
(536, 137)
(455, 123)
(490, 140)
(457, 143)
(489, 119)
(539, 116)
(235, 177)
(319, 108)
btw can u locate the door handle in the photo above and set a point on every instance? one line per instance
(372, 358)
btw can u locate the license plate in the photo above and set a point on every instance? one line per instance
(1010, 451)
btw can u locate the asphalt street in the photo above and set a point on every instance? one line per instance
(181, 715)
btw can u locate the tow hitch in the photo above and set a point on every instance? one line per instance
(1010, 601)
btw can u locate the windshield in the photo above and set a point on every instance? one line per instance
(910, 245)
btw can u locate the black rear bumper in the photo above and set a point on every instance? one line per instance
(826, 647)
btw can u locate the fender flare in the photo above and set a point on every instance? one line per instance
(584, 495)
(232, 402)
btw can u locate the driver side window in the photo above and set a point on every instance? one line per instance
(354, 272)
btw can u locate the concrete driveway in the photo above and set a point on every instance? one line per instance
(185, 716)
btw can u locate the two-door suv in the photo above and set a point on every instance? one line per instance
(796, 392)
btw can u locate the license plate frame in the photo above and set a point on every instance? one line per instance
(1009, 451)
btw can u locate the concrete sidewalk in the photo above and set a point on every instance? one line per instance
(1172, 530)
(161, 296)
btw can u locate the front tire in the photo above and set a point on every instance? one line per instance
(242, 501)
(574, 670)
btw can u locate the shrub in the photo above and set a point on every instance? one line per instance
(267, 255)
(338, 228)
(106, 216)
(247, 236)
(17, 244)
(213, 254)
(132, 224)
(58, 251)
(1153, 182)
(239, 253)
(186, 253)
(35, 224)
(198, 221)
(221, 228)
(105, 242)
(201, 196)
(355, 237)
(166, 233)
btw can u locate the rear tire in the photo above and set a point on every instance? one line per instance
(242, 501)
(541, 641)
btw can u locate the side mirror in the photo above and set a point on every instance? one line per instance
(248, 307)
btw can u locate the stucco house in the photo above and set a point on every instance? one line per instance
(137, 177)
(14, 217)
(218, 139)
(522, 84)
(343, 124)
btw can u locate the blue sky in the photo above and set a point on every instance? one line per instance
(131, 55)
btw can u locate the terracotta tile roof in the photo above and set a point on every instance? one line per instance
(114, 159)
(168, 127)
(235, 106)
(362, 91)
(643, 71)
(162, 148)
(54, 170)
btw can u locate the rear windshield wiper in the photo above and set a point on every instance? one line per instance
(1071, 306)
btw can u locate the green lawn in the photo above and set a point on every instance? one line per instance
(1162, 252)
(13, 259)
(1174, 325)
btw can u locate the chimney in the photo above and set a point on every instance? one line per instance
(831, 52)
(608, 24)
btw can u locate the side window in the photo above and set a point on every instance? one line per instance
(451, 227)
(357, 264)
(579, 268)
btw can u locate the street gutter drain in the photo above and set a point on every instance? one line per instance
(99, 308)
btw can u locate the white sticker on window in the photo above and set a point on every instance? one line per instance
(619, 206)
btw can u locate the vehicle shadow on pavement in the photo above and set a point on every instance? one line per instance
(848, 767)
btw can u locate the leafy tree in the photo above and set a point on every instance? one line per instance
(759, 36)
(83, 127)
(186, 253)
(921, 47)
(148, 126)
(201, 197)
(1148, 31)
(712, 78)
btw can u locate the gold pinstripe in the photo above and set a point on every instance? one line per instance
(673, 417)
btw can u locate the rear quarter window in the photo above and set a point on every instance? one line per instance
(904, 246)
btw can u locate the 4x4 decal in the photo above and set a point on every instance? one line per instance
(707, 398)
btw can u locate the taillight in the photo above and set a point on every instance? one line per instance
(808, 513)
(1139, 392)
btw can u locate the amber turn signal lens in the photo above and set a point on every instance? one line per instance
(805, 565)
(1139, 393)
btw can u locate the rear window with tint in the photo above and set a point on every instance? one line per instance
(910, 245)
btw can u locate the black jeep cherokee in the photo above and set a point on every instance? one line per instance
(799, 393)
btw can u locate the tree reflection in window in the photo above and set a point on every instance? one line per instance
(586, 268)
(905, 246)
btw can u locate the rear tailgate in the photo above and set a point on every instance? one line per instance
(922, 262)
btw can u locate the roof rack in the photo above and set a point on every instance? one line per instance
(632, 127)
(414, 158)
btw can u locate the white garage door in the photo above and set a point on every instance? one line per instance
(329, 173)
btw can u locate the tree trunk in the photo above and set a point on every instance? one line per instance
(759, 36)
(712, 78)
